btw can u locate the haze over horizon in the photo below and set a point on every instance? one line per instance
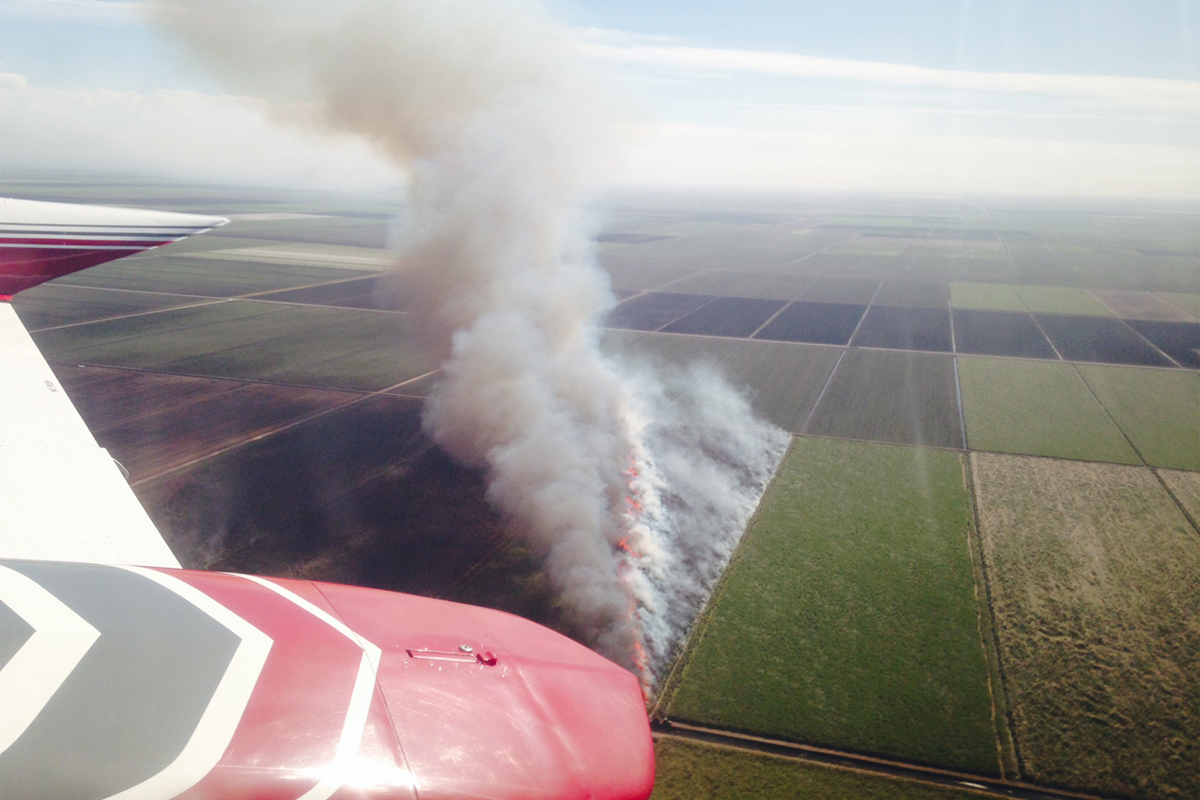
(940, 96)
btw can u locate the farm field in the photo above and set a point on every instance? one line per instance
(108, 397)
(1168, 437)
(884, 396)
(1140, 305)
(816, 323)
(985, 297)
(1037, 408)
(253, 340)
(905, 328)
(53, 305)
(174, 436)
(358, 495)
(1060, 300)
(208, 277)
(770, 286)
(694, 771)
(649, 312)
(783, 380)
(848, 617)
(1103, 339)
(999, 333)
(1189, 303)
(1092, 581)
(852, 291)
(1179, 340)
(1185, 486)
(913, 294)
(726, 316)
(382, 293)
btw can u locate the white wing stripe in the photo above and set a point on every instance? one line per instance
(335, 774)
(220, 720)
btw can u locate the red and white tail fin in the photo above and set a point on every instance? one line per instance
(42, 241)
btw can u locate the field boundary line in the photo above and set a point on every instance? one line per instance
(1056, 360)
(249, 439)
(962, 414)
(807, 256)
(240, 385)
(821, 396)
(700, 623)
(1136, 450)
(962, 420)
(502, 543)
(1136, 332)
(89, 287)
(1175, 498)
(770, 319)
(1016, 274)
(863, 318)
(277, 429)
(865, 763)
(322, 305)
(989, 636)
(255, 295)
(208, 301)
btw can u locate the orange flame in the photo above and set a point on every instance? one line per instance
(626, 565)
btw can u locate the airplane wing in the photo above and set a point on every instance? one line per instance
(122, 675)
(65, 498)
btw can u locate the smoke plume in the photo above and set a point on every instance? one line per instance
(632, 480)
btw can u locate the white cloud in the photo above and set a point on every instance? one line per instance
(223, 139)
(176, 134)
(88, 11)
(1183, 96)
(875, 160)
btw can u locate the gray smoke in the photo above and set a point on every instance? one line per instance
(635, 482)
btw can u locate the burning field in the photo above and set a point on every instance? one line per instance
(501, 141)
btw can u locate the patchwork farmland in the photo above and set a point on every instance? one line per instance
(976, 564)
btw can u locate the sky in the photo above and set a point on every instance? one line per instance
(1057, 97)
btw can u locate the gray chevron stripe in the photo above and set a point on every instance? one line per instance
(130, 706)
(14, 632)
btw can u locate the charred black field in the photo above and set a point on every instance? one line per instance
(935, 362)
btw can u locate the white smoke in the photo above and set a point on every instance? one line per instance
(483, 104)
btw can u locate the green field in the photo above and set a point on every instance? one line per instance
(360, 350)
(1092, 570)
(771, 286)
(985, 296)
(848, 617)
(1036, 408)
(783, 380)
(687, 770)
(208, 277)
(1060, 300)
(116, 340)
(53, 304)
(891, 396)
(856, 291)
(1185, 301)
(913, 294)
(308, 345)
(710, 282)
(1158, 409)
